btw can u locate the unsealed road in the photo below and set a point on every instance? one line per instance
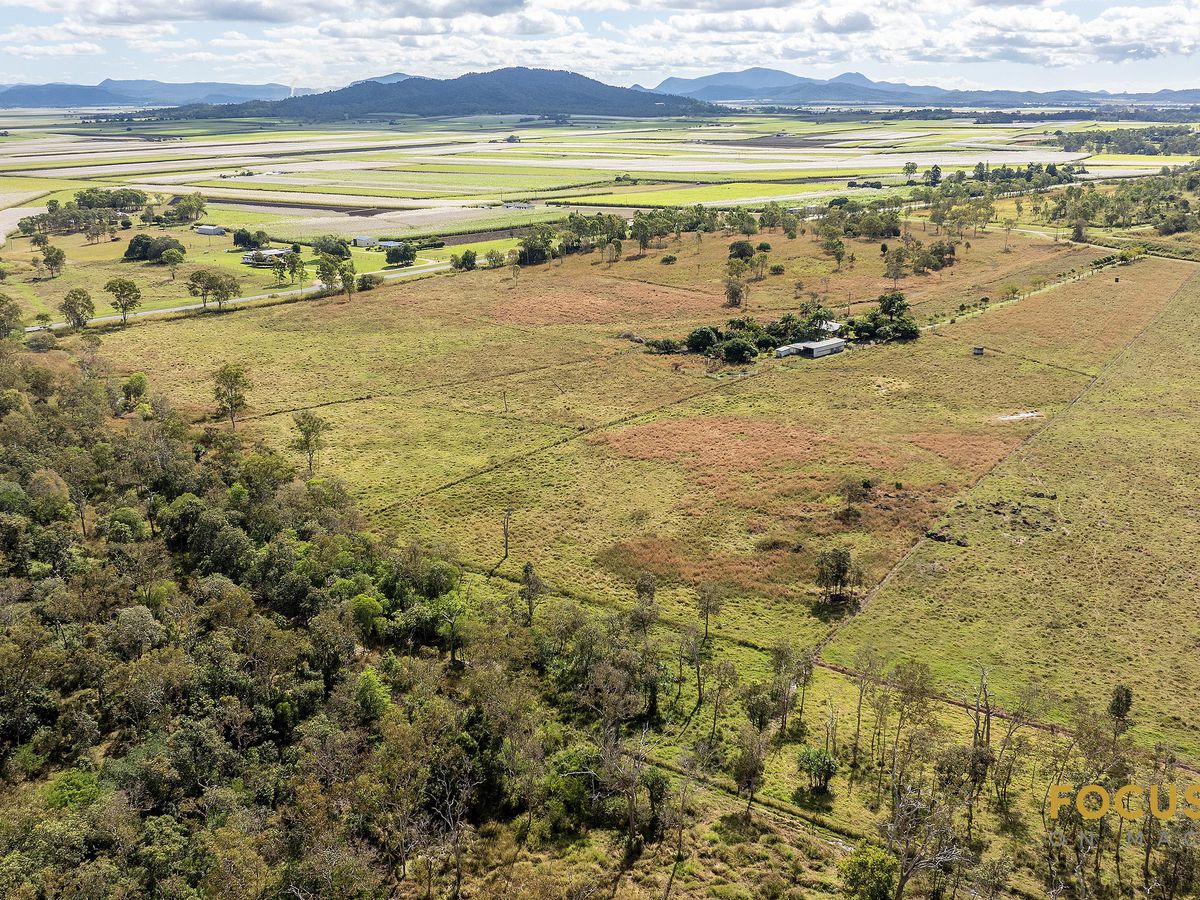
(192, 307)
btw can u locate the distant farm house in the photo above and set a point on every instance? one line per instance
(210, 229)
(812, 349)
(518, 205)
(263, 257)
(365, 240)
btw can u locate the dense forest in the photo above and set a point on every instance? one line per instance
(214, 682)
(1160, 140)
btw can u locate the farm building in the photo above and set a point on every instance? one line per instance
(264, 256)
(811, 349)
(210, 229)
(365, 240)
(518, 205)
(817, 349)
(388, 245)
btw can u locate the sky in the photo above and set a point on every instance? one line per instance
(1133, 45)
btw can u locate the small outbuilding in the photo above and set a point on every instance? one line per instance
(215, 230)
(365, 240)
(518, 204)
(787, 350)
(817, 349)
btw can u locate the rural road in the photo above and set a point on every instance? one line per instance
(191, 307)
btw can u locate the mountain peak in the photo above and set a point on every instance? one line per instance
(853, 78)
(393, 78)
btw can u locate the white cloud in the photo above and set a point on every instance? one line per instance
(38, 51)
(330, 42)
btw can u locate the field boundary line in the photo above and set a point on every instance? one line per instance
(1030, 359)
(188, 310)
(408, 392)
(1024, 442)
(603, 426)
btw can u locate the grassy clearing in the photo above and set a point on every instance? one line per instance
(1076, 519)
(517, 393)
(90, 266)
(982, 271)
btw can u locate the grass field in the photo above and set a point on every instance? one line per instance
(519, 394)
(457, 398)
(1076, 519)
(90, 266)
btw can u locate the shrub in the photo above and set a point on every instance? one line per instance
(41, 341)
(368, 281)
(869, 873)
(664, 345)
(777, 269)
(701, 340)
(763, 247)
(738, 351)
(71, 789)
(668, 260)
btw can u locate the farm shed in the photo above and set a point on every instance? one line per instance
(210, 229)
(365, 240)
(787, 350)
(817, 349)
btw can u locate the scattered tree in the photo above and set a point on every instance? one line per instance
(230, 387)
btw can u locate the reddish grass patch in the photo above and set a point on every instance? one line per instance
(973, 453)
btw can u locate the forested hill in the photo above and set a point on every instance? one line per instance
(215, 683)
(513, 90)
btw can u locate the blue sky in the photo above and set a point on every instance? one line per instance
(1141, 45)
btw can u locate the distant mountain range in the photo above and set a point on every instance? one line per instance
(111, 92)
(546, 92)
(772, 86)
(535, 92)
